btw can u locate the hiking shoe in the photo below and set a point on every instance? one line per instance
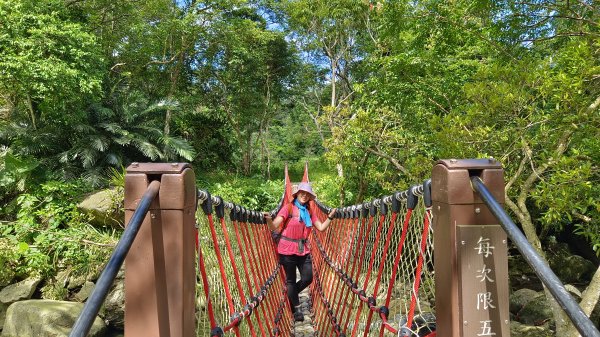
(298, 316)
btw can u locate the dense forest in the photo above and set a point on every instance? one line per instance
(371, 93)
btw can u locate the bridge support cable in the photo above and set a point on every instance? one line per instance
(328, 278)
(362, 244)
(383, 211)
(583, 324)
(220, 210)
(382, 218)
(205, 285)
(411, 203)
(266, 260)
(92, 305)
(350, 258)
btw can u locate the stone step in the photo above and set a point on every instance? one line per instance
(306, 328)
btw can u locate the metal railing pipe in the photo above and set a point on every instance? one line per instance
(92, 305)
(583, 324)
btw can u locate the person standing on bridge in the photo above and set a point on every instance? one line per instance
(294, 253)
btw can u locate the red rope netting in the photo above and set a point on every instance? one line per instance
(375, 258)
(378, 259)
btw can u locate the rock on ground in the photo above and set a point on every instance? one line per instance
(45, 318)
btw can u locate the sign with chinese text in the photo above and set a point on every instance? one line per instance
(483, 273)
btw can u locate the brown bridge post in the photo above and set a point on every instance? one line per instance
(160, 266)
(470, 251)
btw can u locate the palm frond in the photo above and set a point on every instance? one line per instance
(99, 143)
(84, 128)
(163, 105)
(148, 149)
(113, 128)
(179, 146)
(114, 159)
(89, 157)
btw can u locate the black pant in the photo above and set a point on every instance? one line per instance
(304, 265)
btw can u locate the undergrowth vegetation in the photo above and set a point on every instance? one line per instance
(49, 233)
(43, 231)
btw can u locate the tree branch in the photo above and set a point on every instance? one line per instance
(387, 157)
(517, 174)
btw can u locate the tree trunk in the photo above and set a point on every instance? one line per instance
(174, 80)
(333, 83)
(247, 156)
(524, 216)
(266, 155)
(362, 181)
(340, 170)
(564, 327)
(32, 112)
(589, 300)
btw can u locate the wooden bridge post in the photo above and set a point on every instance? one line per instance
(470, 251)
(160, 266)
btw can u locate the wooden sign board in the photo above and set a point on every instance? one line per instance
(483, 278)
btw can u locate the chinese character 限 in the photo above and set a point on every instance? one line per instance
(484, 301)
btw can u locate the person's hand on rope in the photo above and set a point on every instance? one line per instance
(331, 214)
(268, 217)
(272, 224)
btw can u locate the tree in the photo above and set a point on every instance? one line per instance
(50, 68)
(49, 63)
(52, 87)
(416, 60)
(536, 113)
(247, 71)
(328, 34)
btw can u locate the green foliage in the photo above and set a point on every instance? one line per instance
(49, 234)
(252, 193)
(49, 63)
(260, 194)
(128, 132)
(9, 260)
(15, 171)
(249, 70)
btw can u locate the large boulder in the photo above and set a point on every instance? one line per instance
(104, 207)
(16, 292)
(19, 291)
(520, 298)
(571, 268)
(536, 312)
(41, 318)
(3, 308)
(521, 275)
(114, 306)
(85, 291)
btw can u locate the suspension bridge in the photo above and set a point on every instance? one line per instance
(427, 261)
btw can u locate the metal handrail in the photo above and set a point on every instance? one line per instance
(92, 305)
(583, 324)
